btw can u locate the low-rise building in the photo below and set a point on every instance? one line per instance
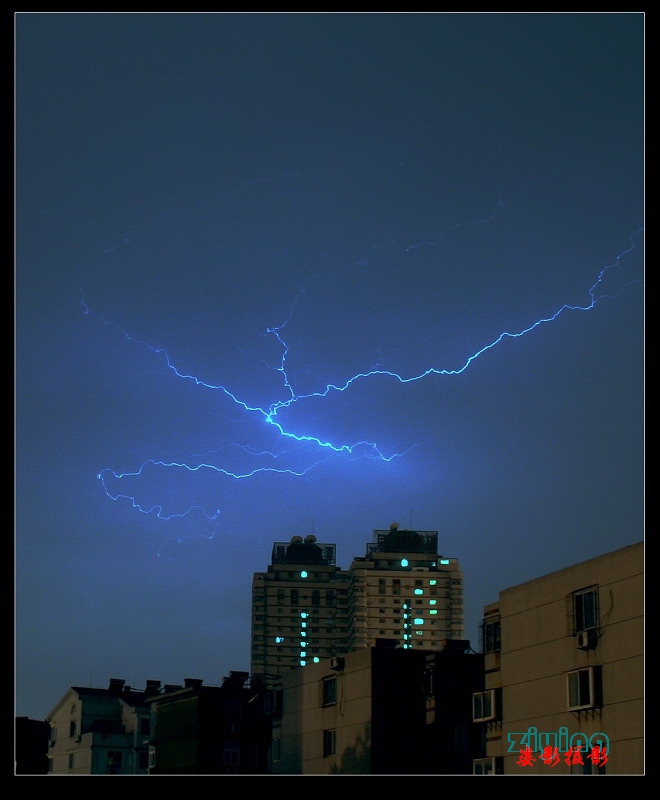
(211, 730)
(564, 668)
(31, 746)
(101, 731)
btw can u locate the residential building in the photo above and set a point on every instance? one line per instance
(211, 730)
(305, 609)
(31, 746)
(380, 710)
(299, 607)
(564, 667)
(403, 589)
(101, 731)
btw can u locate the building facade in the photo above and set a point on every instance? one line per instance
(379, 710)
(564, 667)
(404, 590)
(31, 746)
(305, 609)
(101, 731)
(299, 607)
(211, 730)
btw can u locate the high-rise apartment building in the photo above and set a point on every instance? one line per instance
(306, 609)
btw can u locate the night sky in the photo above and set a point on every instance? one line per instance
(292, 273)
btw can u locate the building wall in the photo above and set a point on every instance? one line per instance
(97, 732)
(539, 648)
(305, 718)
(31, 746)
(392, 712)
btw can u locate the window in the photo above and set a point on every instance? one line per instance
(483, 706)
(488, 766)
(72, 728)
(275, 750)
(269, 703)
(70, 760)
(143, 759)
(584, 688)
(585, 609)
(113, 762)
(329, 743)
(230, 756)
(492, 636)
(587, 769)
(252, 755)
(329, 691)
(483, 766)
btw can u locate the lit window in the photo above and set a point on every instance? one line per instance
(445, 561)
(303, 574)
(404, 562)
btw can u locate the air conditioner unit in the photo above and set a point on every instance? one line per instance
(337, 664)
(586, 640)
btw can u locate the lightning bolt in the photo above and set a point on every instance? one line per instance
(270, 414)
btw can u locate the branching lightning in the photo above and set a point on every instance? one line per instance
(270, 414)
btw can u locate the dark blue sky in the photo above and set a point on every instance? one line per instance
(220, 216)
